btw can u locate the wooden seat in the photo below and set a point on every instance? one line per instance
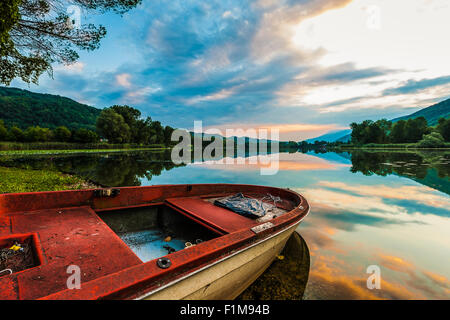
(214, 217)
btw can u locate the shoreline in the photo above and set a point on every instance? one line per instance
(18, 180)
(74, 151)
(412, 147)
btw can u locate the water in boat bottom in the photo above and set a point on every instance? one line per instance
(377, 210)
(151, 244)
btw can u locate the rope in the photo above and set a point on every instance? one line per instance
(6, 270)
(271, 197)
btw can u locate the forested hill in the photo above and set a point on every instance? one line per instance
(432, 113)
(24, 108)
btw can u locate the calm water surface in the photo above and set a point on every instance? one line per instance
(390, 209)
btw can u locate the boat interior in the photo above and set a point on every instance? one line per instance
(129, 238)
(155, 231)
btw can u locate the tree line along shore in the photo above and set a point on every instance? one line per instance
(117, 127)
(411, 133)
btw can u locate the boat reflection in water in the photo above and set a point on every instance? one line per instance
(286, 278)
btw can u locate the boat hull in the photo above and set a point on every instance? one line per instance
(228, 278)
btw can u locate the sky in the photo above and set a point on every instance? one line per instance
(306, 67)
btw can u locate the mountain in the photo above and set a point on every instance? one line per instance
(432, 113)
(330, 136)
(24, 108)
(345, 138)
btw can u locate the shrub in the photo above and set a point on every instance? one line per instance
(62, 134)
(432, 140)
(38, 134)
(16, 134)
(85, 136)
(3, 131)
(444, 128)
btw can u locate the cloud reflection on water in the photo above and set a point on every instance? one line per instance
(352, 226)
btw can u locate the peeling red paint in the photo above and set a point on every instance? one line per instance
(68, 231)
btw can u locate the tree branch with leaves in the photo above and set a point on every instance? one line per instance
(34, 34)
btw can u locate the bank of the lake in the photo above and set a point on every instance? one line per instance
(34, 180)
(28, 180)
(16, 146)
(72, 151)
(387, 146)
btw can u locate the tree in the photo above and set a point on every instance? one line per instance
(139, 128)
(113, 127)
(16, 134)
(157, 132)
(374, 133)
(36, 33)
(143, 131)
(370, 132)
(168, 135)
(385, 127)
(358, 135)
(432, 140)
(3, 131)
(38, 134)
(398, 132)
(415, 129)
(444, 128)
(83, 135)
(62, 134)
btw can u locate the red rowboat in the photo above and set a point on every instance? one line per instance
(157, 242)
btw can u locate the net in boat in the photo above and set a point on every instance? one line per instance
(246, 206)
(16, 257)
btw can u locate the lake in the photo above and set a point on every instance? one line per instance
(390, 209)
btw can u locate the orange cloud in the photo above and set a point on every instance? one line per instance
(438, 279)
(420, 194)
(286, 162)
(328, 279)
(287, 131)
(395, 263)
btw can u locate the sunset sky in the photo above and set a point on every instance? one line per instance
(305, 66)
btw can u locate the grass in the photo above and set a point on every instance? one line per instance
(25, 180)
(389, 146)
(69, 151)
(6, 146)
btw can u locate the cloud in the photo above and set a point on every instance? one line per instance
(438, 279)
(395, 263)
(329, 278)
(222, 94)
(232, 61)
(339, 257)
(76, 67)
(123, 80)
(420, 194)
(286, 162)
(413, 86)
(287, 131)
